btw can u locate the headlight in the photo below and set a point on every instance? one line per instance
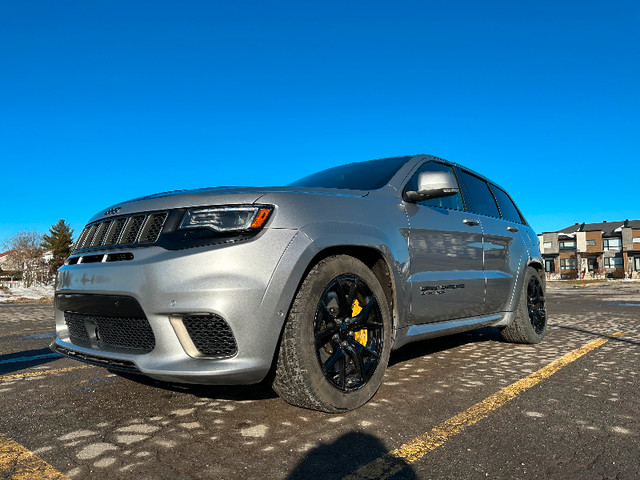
(241, 218)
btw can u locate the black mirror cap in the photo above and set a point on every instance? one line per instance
(417, 196)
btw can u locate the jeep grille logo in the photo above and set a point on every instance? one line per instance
(112, 211)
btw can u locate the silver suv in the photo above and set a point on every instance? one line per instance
(315, 282)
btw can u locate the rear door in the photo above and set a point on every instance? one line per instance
(445, 247)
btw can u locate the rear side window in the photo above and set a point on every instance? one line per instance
(453, 202)
(478, 196)
(507, 207)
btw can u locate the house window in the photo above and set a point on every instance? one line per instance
(568, 264)
(550, 244)
(549, 265)
(612, 244)
(613, 262)
(568, 245)
(637, 264)
(591, 243)
(636, 239)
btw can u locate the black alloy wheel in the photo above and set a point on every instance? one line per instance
(529, 323)
(535, 305)
(336, 341)
(349, 333)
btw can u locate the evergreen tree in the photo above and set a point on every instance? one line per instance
(59, 240)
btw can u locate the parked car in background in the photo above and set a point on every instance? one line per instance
(316, 281)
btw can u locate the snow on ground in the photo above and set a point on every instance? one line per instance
(35, 292)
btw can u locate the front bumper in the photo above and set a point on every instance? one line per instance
(249, 284)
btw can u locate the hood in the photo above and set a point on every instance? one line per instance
(202, 197)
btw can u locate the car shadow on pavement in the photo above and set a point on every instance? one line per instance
(345, 455)
(258, 391)
(263, 390)
(14, 362)
(439, 344)
(599, 334)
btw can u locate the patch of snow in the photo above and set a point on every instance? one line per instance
(35, 292)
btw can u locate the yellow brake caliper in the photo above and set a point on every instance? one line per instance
(361, 335)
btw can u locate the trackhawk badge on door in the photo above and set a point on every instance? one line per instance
(439, 289)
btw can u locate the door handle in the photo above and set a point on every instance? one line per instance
(471, 222)
(512, 229)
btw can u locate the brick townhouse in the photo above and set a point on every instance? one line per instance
(597, 248)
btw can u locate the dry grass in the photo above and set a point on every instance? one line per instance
(579, 283)
(43, 300)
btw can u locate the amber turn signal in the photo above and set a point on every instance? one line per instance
(261, 218)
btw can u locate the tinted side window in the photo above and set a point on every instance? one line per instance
(479, 197)
(453, 202)
(507, 207)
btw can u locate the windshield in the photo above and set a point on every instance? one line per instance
(370, 175)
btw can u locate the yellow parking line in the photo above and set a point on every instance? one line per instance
(43, 372)
(16, 462)
(392, 462)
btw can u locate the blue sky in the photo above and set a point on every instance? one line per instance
(103, 101)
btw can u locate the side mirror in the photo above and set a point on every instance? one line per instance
(433, 185)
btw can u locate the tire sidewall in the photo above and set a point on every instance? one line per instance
(313, 289)
(523, 310)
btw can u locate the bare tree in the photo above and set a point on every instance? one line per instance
(26, 256)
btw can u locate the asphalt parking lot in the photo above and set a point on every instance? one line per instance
(467, 407)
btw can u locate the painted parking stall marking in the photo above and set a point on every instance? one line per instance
(15, 460)
(44, 372)
(394, 461)
(18, 462)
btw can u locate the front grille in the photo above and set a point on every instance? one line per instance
(129, 230)
(77, 330)
(211, 335)
(110, 333)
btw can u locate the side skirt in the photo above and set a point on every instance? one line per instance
(438, 329)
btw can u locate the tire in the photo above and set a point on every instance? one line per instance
(327, 361)
(530, 322)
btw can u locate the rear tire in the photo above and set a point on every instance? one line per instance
(530, 322)
(337, 338)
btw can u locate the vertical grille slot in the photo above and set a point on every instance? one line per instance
(86, 242)
(133, 228)
(116, 230)
(101, 233)
(152, 228)
(81, 238)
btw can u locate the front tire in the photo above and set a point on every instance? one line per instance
(530, 322)
(337, 338)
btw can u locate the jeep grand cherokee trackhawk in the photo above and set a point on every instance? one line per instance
(318, 280)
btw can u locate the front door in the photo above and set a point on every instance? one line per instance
(445, 247)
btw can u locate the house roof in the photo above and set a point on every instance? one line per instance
(607, 228)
